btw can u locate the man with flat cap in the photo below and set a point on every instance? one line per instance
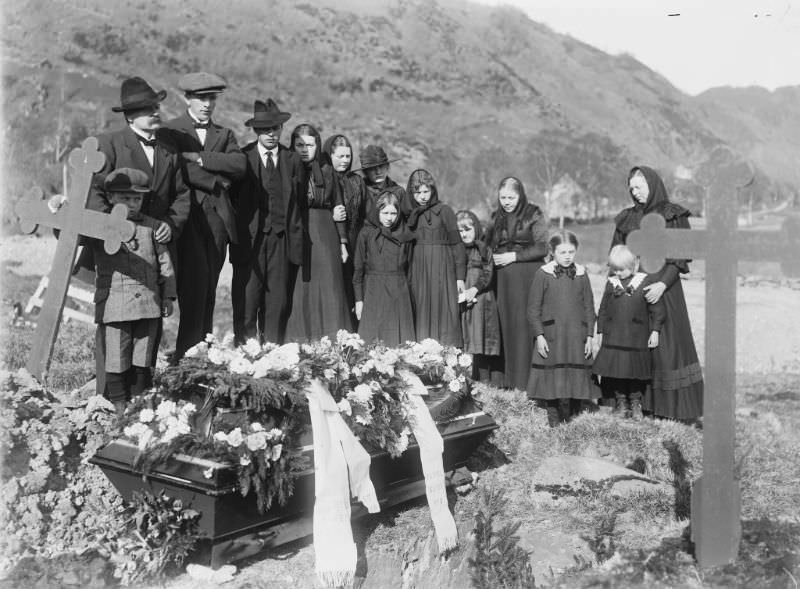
(142, 145)
(270, 213)
(212, 161)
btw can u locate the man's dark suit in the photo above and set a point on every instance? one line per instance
(266, 259)
(211, 224)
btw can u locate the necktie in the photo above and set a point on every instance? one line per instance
(270, 164)
(147, 142)
(201, 125)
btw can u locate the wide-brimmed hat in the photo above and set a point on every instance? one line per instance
(202, 83)
(372, 156)
(267, 114)
(127, 180)
(135, 93)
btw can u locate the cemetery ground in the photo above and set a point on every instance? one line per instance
(585, 522)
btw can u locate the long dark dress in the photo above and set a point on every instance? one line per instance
(437, 262)
(625, 320)
(562, 309)
(480, 322)
(319, 306)
(677, 384)
(380, 280)
(524, 232)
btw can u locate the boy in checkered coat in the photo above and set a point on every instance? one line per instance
(135, 288)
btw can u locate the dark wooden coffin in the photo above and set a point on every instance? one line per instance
(232, 524)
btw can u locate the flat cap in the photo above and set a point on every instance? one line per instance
(202, 83)
(127, 180)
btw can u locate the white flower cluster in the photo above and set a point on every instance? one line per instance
(282, 358)
(258, 439)
(251, 358)
(345, 339)
(168, 421)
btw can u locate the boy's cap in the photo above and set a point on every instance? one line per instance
(127, 180)
(202, 83)
(372, 156)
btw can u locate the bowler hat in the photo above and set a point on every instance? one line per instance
(372, 156)
(267, 114)
(202, 83)
(127, 180)
(135, 93)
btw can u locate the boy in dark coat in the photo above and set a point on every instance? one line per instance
(135, 288)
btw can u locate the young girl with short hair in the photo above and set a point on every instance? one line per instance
(561, 318)
(628, 328)
(380, 276)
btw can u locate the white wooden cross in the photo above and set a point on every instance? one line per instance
(73, 219)
(716, 500)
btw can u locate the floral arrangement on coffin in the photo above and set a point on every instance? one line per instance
(246, 405)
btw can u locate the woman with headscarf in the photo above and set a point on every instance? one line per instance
(438, 263)
(518, 239)
(677, 385)
(319, 305)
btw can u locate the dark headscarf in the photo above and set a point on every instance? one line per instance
(657, 202)
(314, 166)
(339, 179)
(420, 178)
(317, 186)
(398, 232)
(505, 225)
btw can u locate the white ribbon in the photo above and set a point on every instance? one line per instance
(341, 467)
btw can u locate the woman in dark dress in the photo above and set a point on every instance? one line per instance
(438, 264)
(380, 278)
(677, 386)
(518, 239)
(319, 306)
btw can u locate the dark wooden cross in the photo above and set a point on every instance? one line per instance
(73, 219)
(716, 502)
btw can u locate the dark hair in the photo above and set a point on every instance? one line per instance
(306, 129)
(515, 184)
(421, 178)
(562, 237)
(386, 199)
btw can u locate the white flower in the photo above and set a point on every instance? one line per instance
(221, 437)
(252, 347)
(146, 415)
(344, 407)
(211, 338)
(244, 460)
(448, 374)
(208, 473)
(241, 366)
(329, 374)
(227, 341)
(274, 434)
(96, 402)
(165, 409)
(465, 360)
(135, 431)
(216, 356)
(256, 427)
(256, 441)
(455, 385)
(346, 339)
(196, 350)
(235, 437)
(276, 452)
(356, 372)
(187, 410)
(451, 359)
(402, 444)
(362, 394)
(364, 419)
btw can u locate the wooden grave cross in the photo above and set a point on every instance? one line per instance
(73, 220)
(716, 500)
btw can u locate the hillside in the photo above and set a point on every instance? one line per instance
(471, 92)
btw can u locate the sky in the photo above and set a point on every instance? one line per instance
(705, 43)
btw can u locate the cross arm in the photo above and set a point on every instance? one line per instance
(653, 240)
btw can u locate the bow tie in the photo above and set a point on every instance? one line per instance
(201, 125)
(569, 271)
(147, 142)
(621, 290)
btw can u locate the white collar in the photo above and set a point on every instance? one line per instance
(196, 120)
(635, 282)
(550, 268)
(264, 151)
(142, 135)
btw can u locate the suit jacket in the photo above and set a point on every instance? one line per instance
(169, 198)
(251, 204)
(223, 163)
(133, 282)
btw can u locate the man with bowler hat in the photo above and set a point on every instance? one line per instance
(212, 161)
(270, 202)
(142, 145)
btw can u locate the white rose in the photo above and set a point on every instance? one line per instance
(256, 427)
(465, 360)
(451, 359)
(146, 415)
(216, 356)
(221, 437)
(241, 366)
(455, 385)
(188, 409)
(252, 347)
(211, 338)
(256, 441)
(275, 434)
(344, 407)
(235, 437)
(329, 374)
(196, 350)
(165, 409)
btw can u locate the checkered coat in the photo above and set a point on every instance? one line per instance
(132, 283)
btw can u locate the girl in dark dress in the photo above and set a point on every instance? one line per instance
(518, 240)
(319, 306)
(380, 279)
(627, 328)
(677, 384)
(479, 321)
(438, 264)
(561, 319)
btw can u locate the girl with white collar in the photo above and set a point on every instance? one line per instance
(627, 329)
(561, 318)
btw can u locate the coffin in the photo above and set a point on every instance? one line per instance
(234, 528)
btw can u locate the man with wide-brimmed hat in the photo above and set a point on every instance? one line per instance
(375, 167)
(270, 203)
(212, 161)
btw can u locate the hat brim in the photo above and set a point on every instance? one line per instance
(205, 91)
(157, 99)
(262, 123)
(386, 163)
(137, 189)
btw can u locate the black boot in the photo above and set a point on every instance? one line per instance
(553, 414)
